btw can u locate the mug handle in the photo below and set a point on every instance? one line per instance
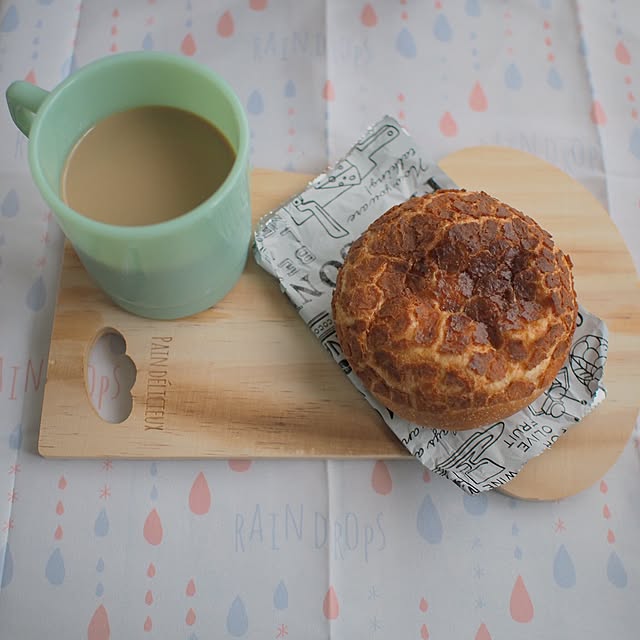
(24, 100)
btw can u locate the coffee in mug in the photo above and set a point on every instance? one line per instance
(145, 165)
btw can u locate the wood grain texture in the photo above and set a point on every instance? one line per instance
(249, 380)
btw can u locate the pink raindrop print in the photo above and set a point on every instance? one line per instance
(62, 483)
(58, 534)
(381, 478)
(448, 125)
(225, 26)
(239, 465)
(191, 588)
(603, 487)
(116, 13)
(99, 625)
(426, 476)
(611, 537)
(200, 496)
(483, 633)
(424, 605)
(477, 98)
(188, 46)
(153, 528)
(328, 92)
(368, 17)
(148, 597)
(151, 571)
(330, 606)
(606, 513)
(31, 77)
(258, 5)
(598, 116)
(520, 606)
(622, 53)
(191, 617)
(113, 48)
(59, 508)
(148, 624)
(424, 632)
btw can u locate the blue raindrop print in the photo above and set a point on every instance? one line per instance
(65, 69)
(554, 79)
(237, 620)
(54, 571)
(517, 553)
(290, 89)
(582, 47)
(193, 636)
(100, 566)
(37, 295)
(512, 77)
(473, 8)
(405, 44)
(99, 589)
(154, 469)
(428, 522)
(10, 21)
(616, 572)
(15, 438)
(545, 4)
(281, 596)
(475, 505)
(154, 492)
(101, 527)
(514, 529)
(442, 29)
(564, 573)
(188, 23)
(255, 104)
(634, 143)
(147, 42)
(6, 566)
(10, 205)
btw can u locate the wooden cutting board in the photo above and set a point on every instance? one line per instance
(248, 379)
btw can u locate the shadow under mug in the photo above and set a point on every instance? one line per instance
(167, 270)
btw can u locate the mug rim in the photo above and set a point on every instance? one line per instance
(63, 210)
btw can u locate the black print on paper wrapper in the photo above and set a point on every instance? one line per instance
(346, 175)
(587, 359)
(557, 398)
(303, 245)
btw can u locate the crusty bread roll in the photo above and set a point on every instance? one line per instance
(455, 309)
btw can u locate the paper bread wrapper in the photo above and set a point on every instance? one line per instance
(303, 244)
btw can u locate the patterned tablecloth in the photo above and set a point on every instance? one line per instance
(300, 549)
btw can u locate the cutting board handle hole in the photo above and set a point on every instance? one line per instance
(110, 375)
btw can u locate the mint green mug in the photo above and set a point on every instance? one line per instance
(167, 270)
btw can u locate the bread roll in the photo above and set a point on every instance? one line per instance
(455, 309)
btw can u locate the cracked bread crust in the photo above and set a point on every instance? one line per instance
(455, 309)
